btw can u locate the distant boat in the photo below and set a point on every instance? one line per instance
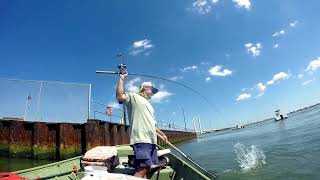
(237, 127)
(280, 116)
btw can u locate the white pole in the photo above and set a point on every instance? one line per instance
(194, 124)
(25, 111)
(199, 124)
(89, 101)
(39, 97)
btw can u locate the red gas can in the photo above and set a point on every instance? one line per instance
(9, 176)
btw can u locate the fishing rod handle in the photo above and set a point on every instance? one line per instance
(107, 72)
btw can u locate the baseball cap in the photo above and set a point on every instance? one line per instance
(149, 84)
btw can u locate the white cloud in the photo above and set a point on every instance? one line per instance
(314, 65)
(252, 49)
(261, 87)
(114, 105)
(260, 94)
(176, 78)
(293, 24)
(277, 77)
(248, 45)
(132, 86)
(208, 79)
(160, 96)
(203, 6)
(300, 76)
(259, 46)
(281, 32)
(307, 82)
(188, 68)
(141, 46)
(146, 44)
(218, 71)
(276, 46)
(242, 4)
(243, 96)
(205, 63)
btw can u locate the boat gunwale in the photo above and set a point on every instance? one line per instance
(46, 166)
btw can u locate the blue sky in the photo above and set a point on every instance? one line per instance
(247, 57)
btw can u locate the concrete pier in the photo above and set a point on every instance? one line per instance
(41, 140)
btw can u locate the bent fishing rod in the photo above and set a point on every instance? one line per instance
(155, 77)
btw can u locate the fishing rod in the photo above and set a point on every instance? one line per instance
(122, 68)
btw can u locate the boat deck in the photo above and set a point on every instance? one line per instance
(70, 169)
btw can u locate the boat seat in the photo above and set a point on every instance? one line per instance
(163, 152)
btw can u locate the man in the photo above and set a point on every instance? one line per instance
(143, 137)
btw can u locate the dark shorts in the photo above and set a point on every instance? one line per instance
(145, 155)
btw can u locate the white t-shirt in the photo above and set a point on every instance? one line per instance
(141, 118)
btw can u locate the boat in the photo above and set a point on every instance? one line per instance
(176, 168)
(280, 116)
(237, 127)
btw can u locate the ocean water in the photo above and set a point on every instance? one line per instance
(288, 149)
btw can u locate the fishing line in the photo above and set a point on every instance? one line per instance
(122, 69)
(164, 79)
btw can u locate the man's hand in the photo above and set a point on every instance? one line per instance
(164, 137)
(161, 135)
(124, 75)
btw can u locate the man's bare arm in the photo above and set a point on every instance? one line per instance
(161, 134)
(120, 92)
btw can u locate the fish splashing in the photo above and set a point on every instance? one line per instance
(249, 158)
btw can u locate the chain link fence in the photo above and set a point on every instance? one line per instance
(115, 113)
(109, 112)
(49, 101)
(44, 101)
(171, 126)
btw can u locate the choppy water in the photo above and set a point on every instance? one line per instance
(288, 149)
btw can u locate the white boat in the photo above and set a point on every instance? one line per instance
(280, 116)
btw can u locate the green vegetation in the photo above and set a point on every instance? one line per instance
(44, 152)
(20, 151)
(69, 152)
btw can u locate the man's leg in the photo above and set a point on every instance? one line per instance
(143, 161)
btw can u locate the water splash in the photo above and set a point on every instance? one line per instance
(249, 158)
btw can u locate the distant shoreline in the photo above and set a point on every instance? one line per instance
(305, 108)
(257, 122)
(292, 112)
